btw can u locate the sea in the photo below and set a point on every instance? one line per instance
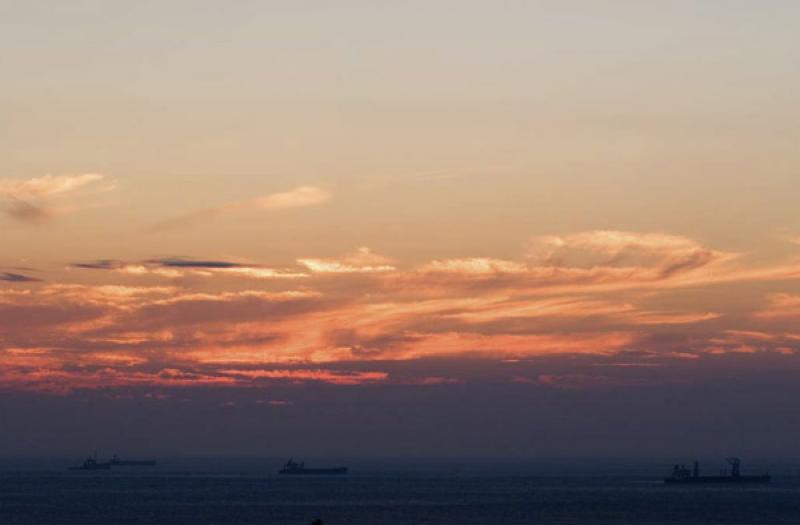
(423, 493)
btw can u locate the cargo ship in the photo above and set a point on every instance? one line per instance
(299, 469)
(117, 462)
(91, 463)
(683, 476)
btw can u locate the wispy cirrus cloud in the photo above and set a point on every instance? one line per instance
(595, 260)
(47, 185)
(102, 264)
(299, 197)
(665, 254)
(12, 277)
(177, 262)
(598, 293)
(326, 376)
(37, 199)
(781, 306)
(177, 267)
(476, 266)
(362, 260)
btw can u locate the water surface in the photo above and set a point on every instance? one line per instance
(197, 498)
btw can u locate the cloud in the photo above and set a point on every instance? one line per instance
(791, 239)
(781, 305)
(63, 381)
(614, 242)
(123, 267)
(103, 264)
(17, 278)
(35, 200)
(362, 260)
(191, 263)
(600, 261)
(229, 268)
(300, 197)
(325, 376)
(610, 248)
(599, 293)
(176, 267)
(26, 212)
(478, 266)
(46, 186)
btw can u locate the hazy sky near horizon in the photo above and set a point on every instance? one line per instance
(419, 197)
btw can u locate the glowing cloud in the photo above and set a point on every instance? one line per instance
(781, 305)
(475, 266)
(33, 200)
(670, 253)
(325, 376)
(297, 198)
(300, 197)
(362, 260)
(176, 267)
(588, 294)
(46, 186)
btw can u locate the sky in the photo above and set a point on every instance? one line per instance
(405, 229)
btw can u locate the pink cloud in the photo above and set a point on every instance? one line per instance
(592, 294)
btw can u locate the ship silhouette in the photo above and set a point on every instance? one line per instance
(91, 463)
(683, 476)
(298, 469)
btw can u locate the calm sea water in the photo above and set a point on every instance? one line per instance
(174, 498)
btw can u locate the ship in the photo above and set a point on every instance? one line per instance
(117, 462)
(298, 469)
(681, 475)
(91, 463)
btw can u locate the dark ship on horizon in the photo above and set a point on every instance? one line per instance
(295, 468)
(681, 475)
(91, 463)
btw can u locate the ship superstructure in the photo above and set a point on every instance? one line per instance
(91, 463)
(682, 475)
(299, 468)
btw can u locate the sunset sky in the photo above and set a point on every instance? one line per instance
(302, 217)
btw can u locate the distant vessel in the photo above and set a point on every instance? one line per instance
(91, 463)
(117, 462)
(683, 476)
(295, 468)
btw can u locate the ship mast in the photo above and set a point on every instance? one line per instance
(734, 467)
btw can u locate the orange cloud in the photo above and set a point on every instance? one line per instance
(781, 305)
(40, 198)
(477, 266)
(300, 197)
(174, 268)
(46, 186)
(361, 261)
(592, 294)
(324, 376)
(297, 198)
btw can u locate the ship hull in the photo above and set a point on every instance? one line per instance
(102, 466)
(719, 480)
(314, 471)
